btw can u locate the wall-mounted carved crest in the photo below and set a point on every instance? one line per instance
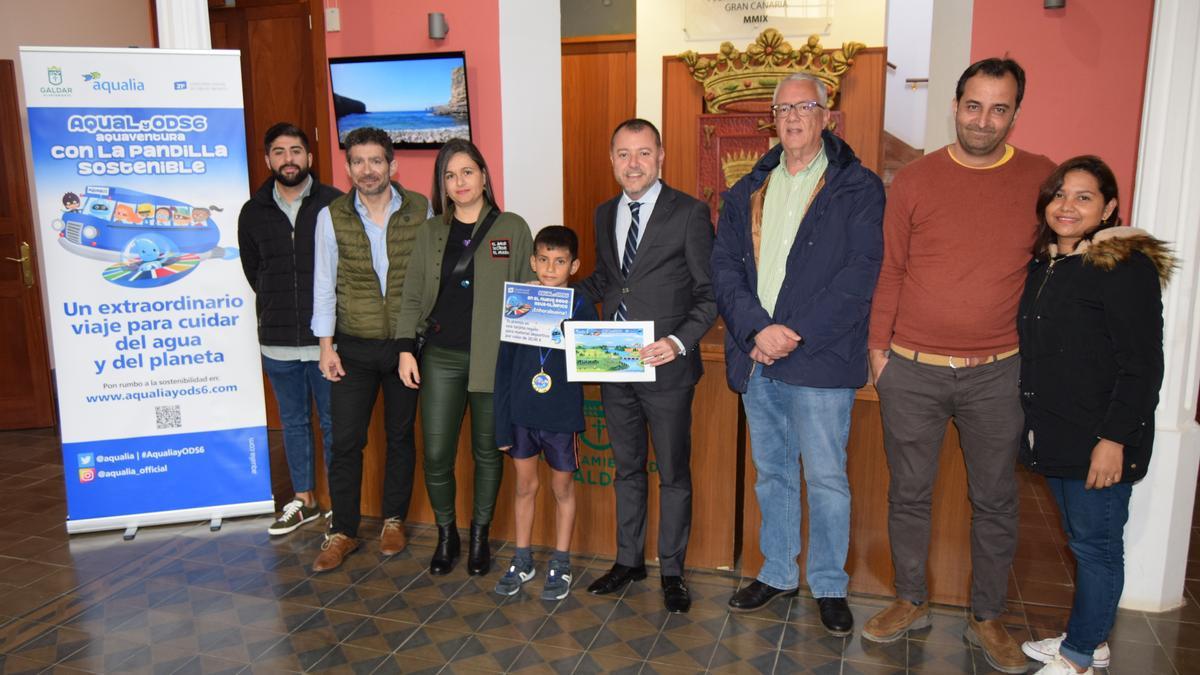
(745, 81)
(737, 164)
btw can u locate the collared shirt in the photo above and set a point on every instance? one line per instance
(786, 202)
(625, 219)
(291, 210)
(325, 266)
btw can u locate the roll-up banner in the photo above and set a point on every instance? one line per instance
(139, 165)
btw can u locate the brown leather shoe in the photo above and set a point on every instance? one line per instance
(1000, 649)
(334, 551)
(393, 538)
(895, 620)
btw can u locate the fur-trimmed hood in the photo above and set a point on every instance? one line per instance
(1115, 244)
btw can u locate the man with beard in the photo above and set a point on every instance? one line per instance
(958, 233)
(364, 240)
(275, 233)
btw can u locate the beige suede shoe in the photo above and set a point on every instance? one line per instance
(895, 620)
(1001, 650)
(333, 552)
(393, 538)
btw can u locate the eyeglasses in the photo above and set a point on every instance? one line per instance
(803, 108)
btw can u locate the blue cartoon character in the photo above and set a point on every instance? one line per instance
(146, 254)
(148, 240)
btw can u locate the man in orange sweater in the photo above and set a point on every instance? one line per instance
(958, 233)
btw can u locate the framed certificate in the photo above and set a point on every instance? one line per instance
(533, 315)
(608, 351)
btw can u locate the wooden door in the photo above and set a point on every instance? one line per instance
(598, 83)
(284, 75)
(25, 397)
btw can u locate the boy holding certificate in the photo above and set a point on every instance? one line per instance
(539, 413)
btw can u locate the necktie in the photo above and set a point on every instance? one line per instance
(631, 243)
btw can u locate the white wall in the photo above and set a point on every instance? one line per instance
(909, 29)
(660, 33)
(949, 55)
(531, 110)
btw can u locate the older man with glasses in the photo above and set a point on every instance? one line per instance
(798, 250)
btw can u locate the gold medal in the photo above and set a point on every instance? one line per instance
(542, 382)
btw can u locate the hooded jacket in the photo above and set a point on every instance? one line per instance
(1091, 334)
(827, 286)
(278, 262)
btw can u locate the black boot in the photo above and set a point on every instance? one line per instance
(446, 552)
(479, 558)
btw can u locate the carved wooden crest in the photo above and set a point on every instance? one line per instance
(745, 80)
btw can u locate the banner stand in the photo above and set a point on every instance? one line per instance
(140, 169)
(139, 520)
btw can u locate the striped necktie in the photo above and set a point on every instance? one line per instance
(631, 243)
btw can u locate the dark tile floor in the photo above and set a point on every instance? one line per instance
(181, 599)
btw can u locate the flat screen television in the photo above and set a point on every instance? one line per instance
(419, 99)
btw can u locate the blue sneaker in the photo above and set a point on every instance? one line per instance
(558, 581)
(518, 573)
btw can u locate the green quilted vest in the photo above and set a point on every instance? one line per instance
(362, 309)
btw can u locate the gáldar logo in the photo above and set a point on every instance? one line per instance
(110, 86)
(54, 75)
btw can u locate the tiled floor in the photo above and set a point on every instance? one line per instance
(181, 599)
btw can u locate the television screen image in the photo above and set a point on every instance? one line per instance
(419, 99)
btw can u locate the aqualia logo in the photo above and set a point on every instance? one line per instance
(54, 75)
(111, 87)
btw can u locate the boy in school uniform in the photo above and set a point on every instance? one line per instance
(539, 413)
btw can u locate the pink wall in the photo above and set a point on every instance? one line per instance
(1085, 75)
(376, 27)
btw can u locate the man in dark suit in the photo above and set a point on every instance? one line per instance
(652, 264)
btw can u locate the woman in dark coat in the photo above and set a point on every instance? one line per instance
(1090, 323)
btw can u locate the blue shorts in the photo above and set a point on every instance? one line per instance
(561, 450)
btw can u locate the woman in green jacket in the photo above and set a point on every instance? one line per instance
(451, 308)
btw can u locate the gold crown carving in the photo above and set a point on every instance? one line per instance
(737, 80)
(737, 164)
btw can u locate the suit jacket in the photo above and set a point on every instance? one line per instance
(669, 282)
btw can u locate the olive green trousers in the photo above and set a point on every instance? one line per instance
(444, 399)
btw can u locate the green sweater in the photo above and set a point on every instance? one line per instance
(362, 308)
(425, 276)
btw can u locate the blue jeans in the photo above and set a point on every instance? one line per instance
(1095, 524)
(296, 385)
(790, 425)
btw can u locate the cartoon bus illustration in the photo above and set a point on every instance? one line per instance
(148, 240)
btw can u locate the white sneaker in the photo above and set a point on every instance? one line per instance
(1059, 666)
(1046, 650)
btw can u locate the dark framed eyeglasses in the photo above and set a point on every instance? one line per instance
(803, 108)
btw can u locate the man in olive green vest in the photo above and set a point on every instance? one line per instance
(363, 243)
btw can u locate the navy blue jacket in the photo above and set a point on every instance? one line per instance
(830, 277)
(515, 401)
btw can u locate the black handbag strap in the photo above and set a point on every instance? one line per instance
(464, 260)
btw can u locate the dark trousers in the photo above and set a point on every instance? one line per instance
(444, 399)
(369, 365)
(915, 402)
(628, 409)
